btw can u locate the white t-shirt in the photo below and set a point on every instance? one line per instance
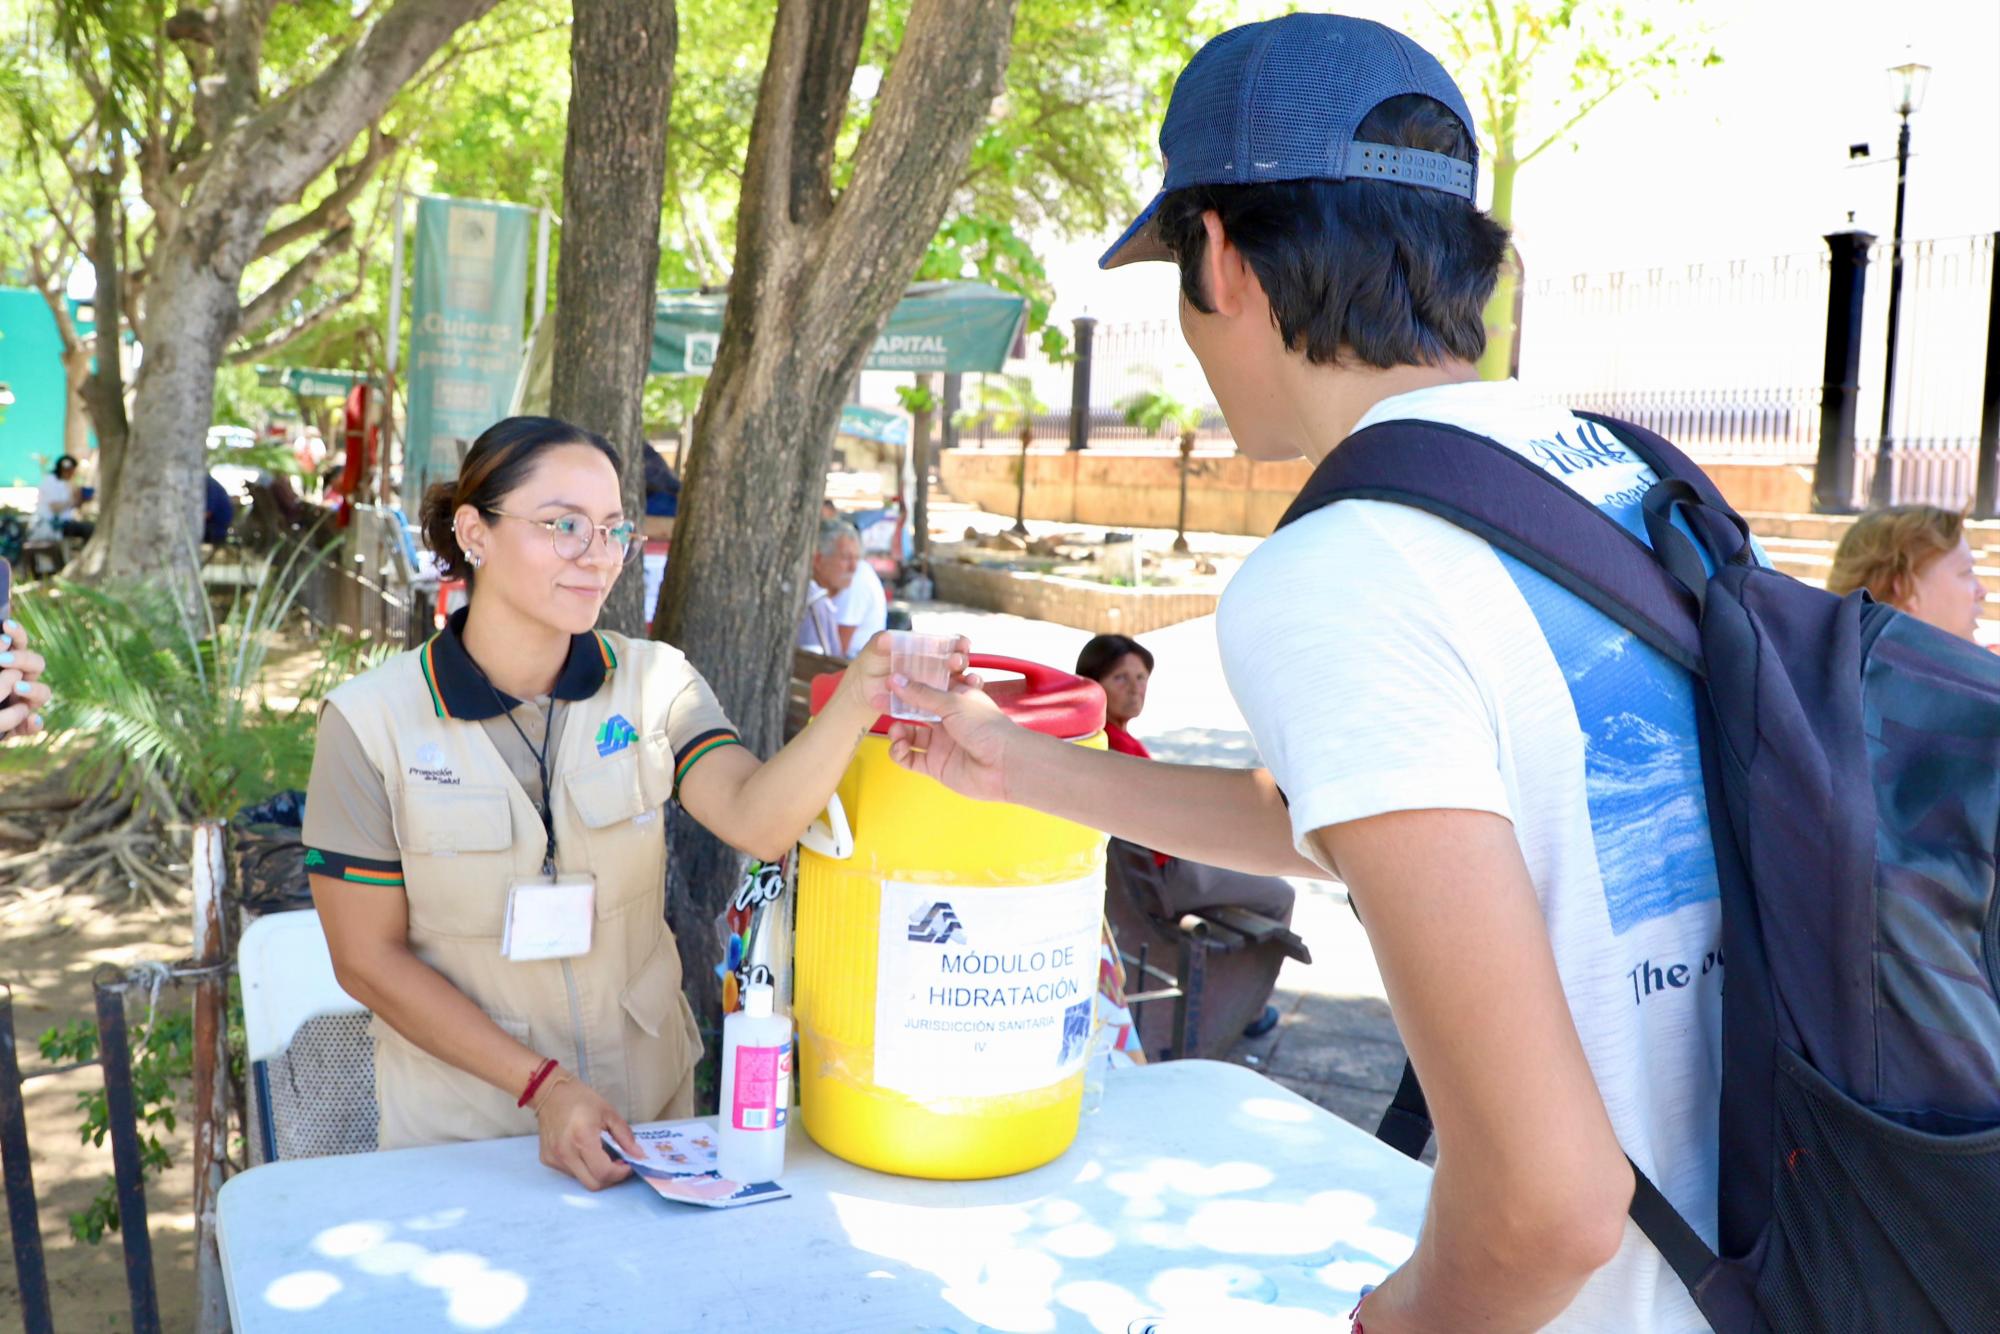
(55, 501)
(863, 605)
(819, 630)
(1386, 660)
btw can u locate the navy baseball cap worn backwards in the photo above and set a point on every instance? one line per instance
(1281, 101)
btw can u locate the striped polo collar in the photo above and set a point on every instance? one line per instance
(458, 690)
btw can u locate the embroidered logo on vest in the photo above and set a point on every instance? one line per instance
(432, 767)
(615, 735)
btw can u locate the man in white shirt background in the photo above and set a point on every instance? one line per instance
(861, 609)
(1507, 782)
(836, 556)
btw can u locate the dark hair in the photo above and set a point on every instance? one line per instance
(498, 462)
(57, 470)
(1105, 652)
(1397, 274)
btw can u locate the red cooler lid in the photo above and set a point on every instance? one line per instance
(1055, 703)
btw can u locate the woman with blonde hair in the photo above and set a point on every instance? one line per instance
(1916, 559)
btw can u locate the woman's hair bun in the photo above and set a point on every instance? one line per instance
(437, 518)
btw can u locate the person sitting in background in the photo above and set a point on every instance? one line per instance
(663, 495)
(56, 502)
(861, 610)
(1916, 559)
(218, 511)
(1124, 666)
(834, 559)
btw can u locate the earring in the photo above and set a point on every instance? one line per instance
(477, 560)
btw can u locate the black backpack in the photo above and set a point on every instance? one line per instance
(1851, 756)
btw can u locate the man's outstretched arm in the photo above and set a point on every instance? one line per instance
(1233, 818)
(1531, 1188)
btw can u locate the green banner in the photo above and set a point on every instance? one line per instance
(470, 281)
(935, 327)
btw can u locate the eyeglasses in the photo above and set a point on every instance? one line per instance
(572, 534)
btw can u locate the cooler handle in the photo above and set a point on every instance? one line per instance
(828, 834)
(1040, 676)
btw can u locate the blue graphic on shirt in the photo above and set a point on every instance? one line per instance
(1642, 756)
(616, 734)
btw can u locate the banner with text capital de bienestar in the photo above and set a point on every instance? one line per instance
(470, 276)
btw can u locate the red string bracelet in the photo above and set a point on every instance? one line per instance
(527, 1094)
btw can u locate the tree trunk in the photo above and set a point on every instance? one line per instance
(1020, 528)
(76, 408)
(1498, 361)
(104, 391)
(260, 160)
(814, 281)
(614, 171)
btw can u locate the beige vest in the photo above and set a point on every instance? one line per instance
(615, 1017)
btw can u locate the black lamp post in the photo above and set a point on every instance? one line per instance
(1909, 79)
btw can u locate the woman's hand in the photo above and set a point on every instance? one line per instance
(572, 1116)
(968, 749)
(22, 694)
(867, 677)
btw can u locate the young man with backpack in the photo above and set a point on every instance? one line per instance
(1502, 687)
(1506, 780)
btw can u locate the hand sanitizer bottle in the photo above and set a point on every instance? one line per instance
(756, 1087)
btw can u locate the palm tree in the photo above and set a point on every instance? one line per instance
(1009, 400)
(1157, 411)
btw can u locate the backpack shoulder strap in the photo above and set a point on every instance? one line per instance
(1714, 521)
(1496, 494)
(1406, 1128)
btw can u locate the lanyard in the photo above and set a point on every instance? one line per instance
(541, 764)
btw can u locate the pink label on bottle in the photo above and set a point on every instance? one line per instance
(763, 1087)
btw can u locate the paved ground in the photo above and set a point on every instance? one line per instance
(1335, 1042)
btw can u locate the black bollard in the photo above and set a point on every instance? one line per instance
(22, 1217)
(115, 1055)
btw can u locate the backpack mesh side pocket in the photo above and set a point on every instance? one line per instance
(1878, 1226)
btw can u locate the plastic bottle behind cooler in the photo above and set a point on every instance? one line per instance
(756, 1087)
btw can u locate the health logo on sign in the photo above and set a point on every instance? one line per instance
(698, 357)
(936, 925)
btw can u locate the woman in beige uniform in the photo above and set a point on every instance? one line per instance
(485, 820)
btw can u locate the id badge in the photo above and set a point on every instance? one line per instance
(549, 919)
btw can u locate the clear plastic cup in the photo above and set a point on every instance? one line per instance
(924, 659)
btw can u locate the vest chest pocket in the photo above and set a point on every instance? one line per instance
(458, 857)
(622, 827)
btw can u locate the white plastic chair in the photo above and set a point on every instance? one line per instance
(312, 1061)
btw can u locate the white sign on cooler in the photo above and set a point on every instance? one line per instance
(982, 991)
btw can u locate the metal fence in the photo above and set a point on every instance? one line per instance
(1727, 359)
(1940, 361)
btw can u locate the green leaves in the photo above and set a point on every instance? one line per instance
(175, 715)
(1158, 412)
(1008, 401)
(162, 1048)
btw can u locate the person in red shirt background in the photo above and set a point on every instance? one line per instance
(1123, 666)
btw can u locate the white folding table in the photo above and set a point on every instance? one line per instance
(1200, 1197)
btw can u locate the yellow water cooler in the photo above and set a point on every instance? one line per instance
(947, 958)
